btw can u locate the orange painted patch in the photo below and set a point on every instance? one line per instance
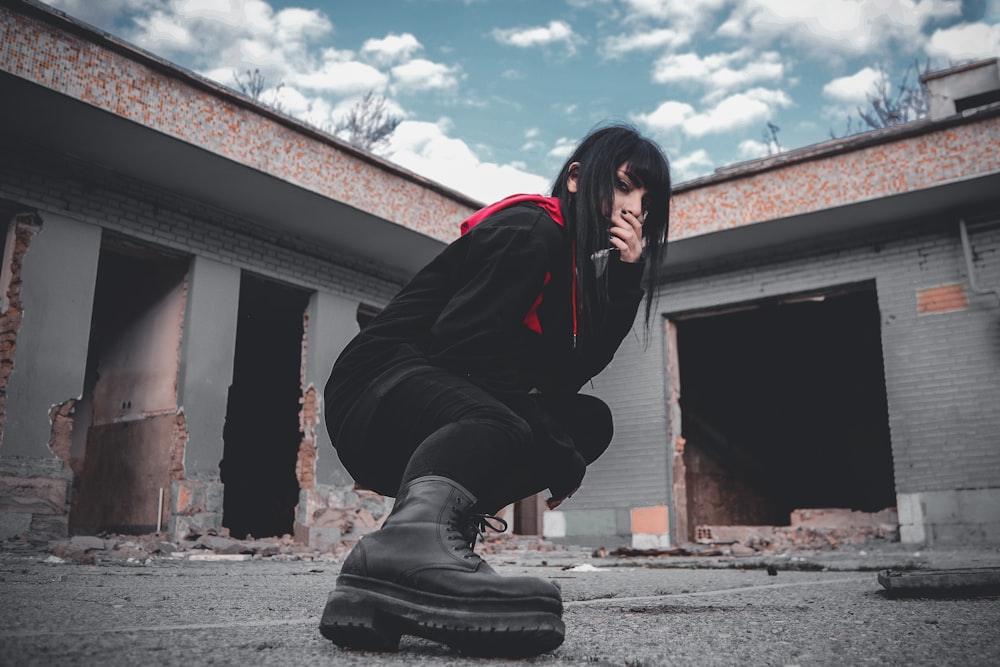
(943, 299)
(650, 520)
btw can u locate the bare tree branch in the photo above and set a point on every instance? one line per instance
(253, 84)
(886, 108)
(369, 124)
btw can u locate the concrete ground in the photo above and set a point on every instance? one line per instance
(820, 608)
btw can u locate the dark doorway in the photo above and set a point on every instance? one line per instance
(262, 433)
(784, 407)
(124, 451)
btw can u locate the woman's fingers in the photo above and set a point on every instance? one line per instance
(626, 236)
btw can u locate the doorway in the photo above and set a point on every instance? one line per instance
(783, 407)
(262, 433)
(124, 452)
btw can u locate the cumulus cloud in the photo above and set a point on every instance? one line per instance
(690, 166)
(854, 88)
(162, 33)
(426, 149)
(734, 112)
(213, 30)
(751, 149)
(421, 74)
(737, 111)
(840, 26)
(720, 71)
(563, 148)
(554, 34)
(623, 44)
(342, 77)
(391, 48)
(105, 12)
(965, 41)
(668, 117)
(684, 15)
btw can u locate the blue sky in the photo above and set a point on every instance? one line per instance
(494, 93)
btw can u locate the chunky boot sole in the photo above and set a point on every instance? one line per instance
(369, 614)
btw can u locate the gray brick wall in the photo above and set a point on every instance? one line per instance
(941, 369)
(119, 204)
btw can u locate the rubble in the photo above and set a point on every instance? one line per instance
(213, 545)
(810, 531)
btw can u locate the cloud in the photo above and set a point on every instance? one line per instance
(391, 48)
(211, 30)
(668, 117)
(720, 71)
(854, 88)
(691, 166)
(734, 112)
(425, 148)
(840, 26)
(555, 33)
(421, 74)
(105, 12)
(737, 111)
(683, 15)
(751, 149)
(664, 38)
(563, 148)
(965, 41)
(162, 33)
(342, 77)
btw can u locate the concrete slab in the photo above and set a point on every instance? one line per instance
(964, 582)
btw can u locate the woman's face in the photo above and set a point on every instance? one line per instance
(631, 197)
(630, 194)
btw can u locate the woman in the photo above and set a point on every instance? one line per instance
(462, 397)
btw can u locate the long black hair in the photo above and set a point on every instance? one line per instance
(589, 209)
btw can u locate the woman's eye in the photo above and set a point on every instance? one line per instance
(623, 186)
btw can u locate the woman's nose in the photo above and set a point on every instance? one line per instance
(634, 206)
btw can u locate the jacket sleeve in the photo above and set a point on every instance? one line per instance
(498, 279)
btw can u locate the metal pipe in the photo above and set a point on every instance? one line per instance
(969, 268)
(159, 512)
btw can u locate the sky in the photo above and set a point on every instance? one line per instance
(494, 94)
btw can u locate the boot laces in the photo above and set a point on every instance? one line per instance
(471, 527)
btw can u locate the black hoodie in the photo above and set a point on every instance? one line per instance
(495, 307)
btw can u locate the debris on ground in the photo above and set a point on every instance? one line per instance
(220, 546)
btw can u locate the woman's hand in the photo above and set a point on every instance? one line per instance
(626, 235)
(554, 502)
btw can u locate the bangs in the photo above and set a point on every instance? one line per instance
(646, 162)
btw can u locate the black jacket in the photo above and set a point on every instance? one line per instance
(470, 310)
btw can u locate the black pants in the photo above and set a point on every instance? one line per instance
(436, 423)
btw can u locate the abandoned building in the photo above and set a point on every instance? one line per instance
(181, 266)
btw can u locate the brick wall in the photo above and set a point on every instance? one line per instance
(114, 202)
(941, 366)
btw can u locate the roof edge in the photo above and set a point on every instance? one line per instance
(71, 24)
(839, 146)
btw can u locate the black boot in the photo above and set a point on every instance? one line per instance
(418, 575)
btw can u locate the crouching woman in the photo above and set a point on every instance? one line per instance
(462, 396)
